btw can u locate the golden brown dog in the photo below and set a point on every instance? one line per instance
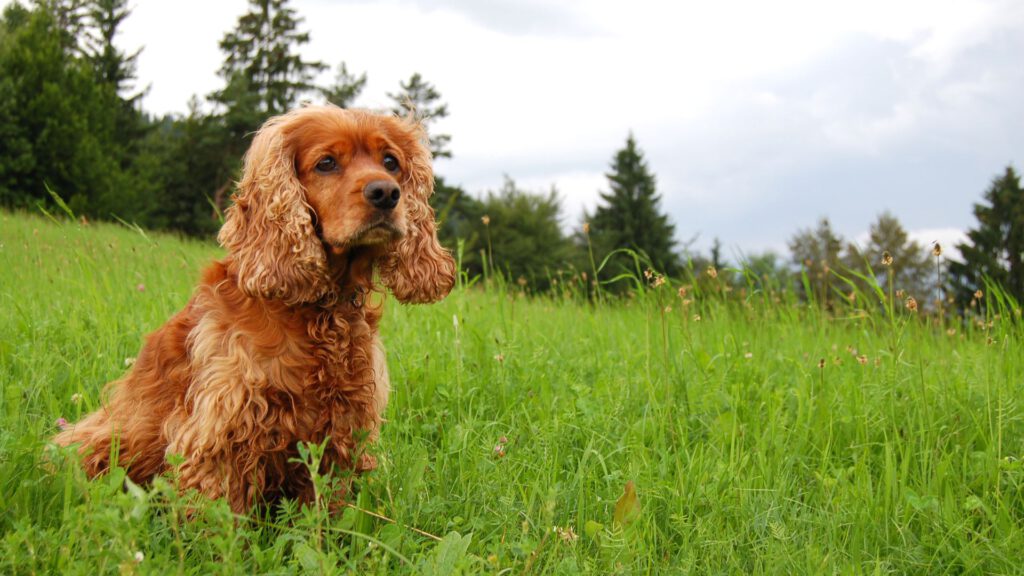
(279, 343)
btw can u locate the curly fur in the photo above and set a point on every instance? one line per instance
(277, 345)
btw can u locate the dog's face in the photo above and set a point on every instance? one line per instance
(354, 170)
(321, 179)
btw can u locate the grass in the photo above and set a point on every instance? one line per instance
(761, 436)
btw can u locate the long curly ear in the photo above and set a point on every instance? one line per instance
(417, 269)
(269, 231)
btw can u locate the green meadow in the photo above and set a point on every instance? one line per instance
(664, 433)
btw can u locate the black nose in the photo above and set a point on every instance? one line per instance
(382, 194)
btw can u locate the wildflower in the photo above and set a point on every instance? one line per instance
(583, 276)
(748, 355)
(852, 296)
(862, 359)
(687, 302)
(912, 304)
(521, 281)
(937, 250)
(696, 317)
(979, 295)
(951, 332)
(141, 287)
(139, 556)
(499, 448)
(659, 281)
(567, 535)
(900, 294)
(821, 364)
(712, 272)
(586, 227)
(648, 274)
(886, 258)
(682, 292)
(667, 309)
(486, 220)
(500, 358)
(76, 398)
(129, 361)
(62, 424)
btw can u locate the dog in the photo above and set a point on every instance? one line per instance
(279, 344)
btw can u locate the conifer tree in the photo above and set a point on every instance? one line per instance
(995, 248)
(260, 53)
(420, 97)
(346, 87)
(630, 215)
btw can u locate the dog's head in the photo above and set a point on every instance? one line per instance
(321, 179)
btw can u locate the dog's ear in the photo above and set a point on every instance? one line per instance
(416, 268)
(269, 230)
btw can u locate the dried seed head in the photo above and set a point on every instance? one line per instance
(586, 227)
(862, 359)
(901, 294)
(712, 272)
(979, 295)
(821, 364)
(937, 250)
(911, 304)
(659, 281)
(886, 258)
(486, 220)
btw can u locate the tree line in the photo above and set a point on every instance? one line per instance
(72, 126)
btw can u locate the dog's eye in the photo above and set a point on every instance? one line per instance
(326, 164)
(390, 163)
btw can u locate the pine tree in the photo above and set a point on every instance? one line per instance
(113, 66)
(346, 87)
(995, 248)
(421, 98)
(259, 54)
(630, 215)
(263, 77)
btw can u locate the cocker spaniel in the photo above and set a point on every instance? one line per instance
(279, 343)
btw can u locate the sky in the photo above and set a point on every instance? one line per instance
(757, 118)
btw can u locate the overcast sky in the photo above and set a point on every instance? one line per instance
(757, 118)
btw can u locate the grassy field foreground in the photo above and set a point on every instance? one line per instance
(760, 437)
